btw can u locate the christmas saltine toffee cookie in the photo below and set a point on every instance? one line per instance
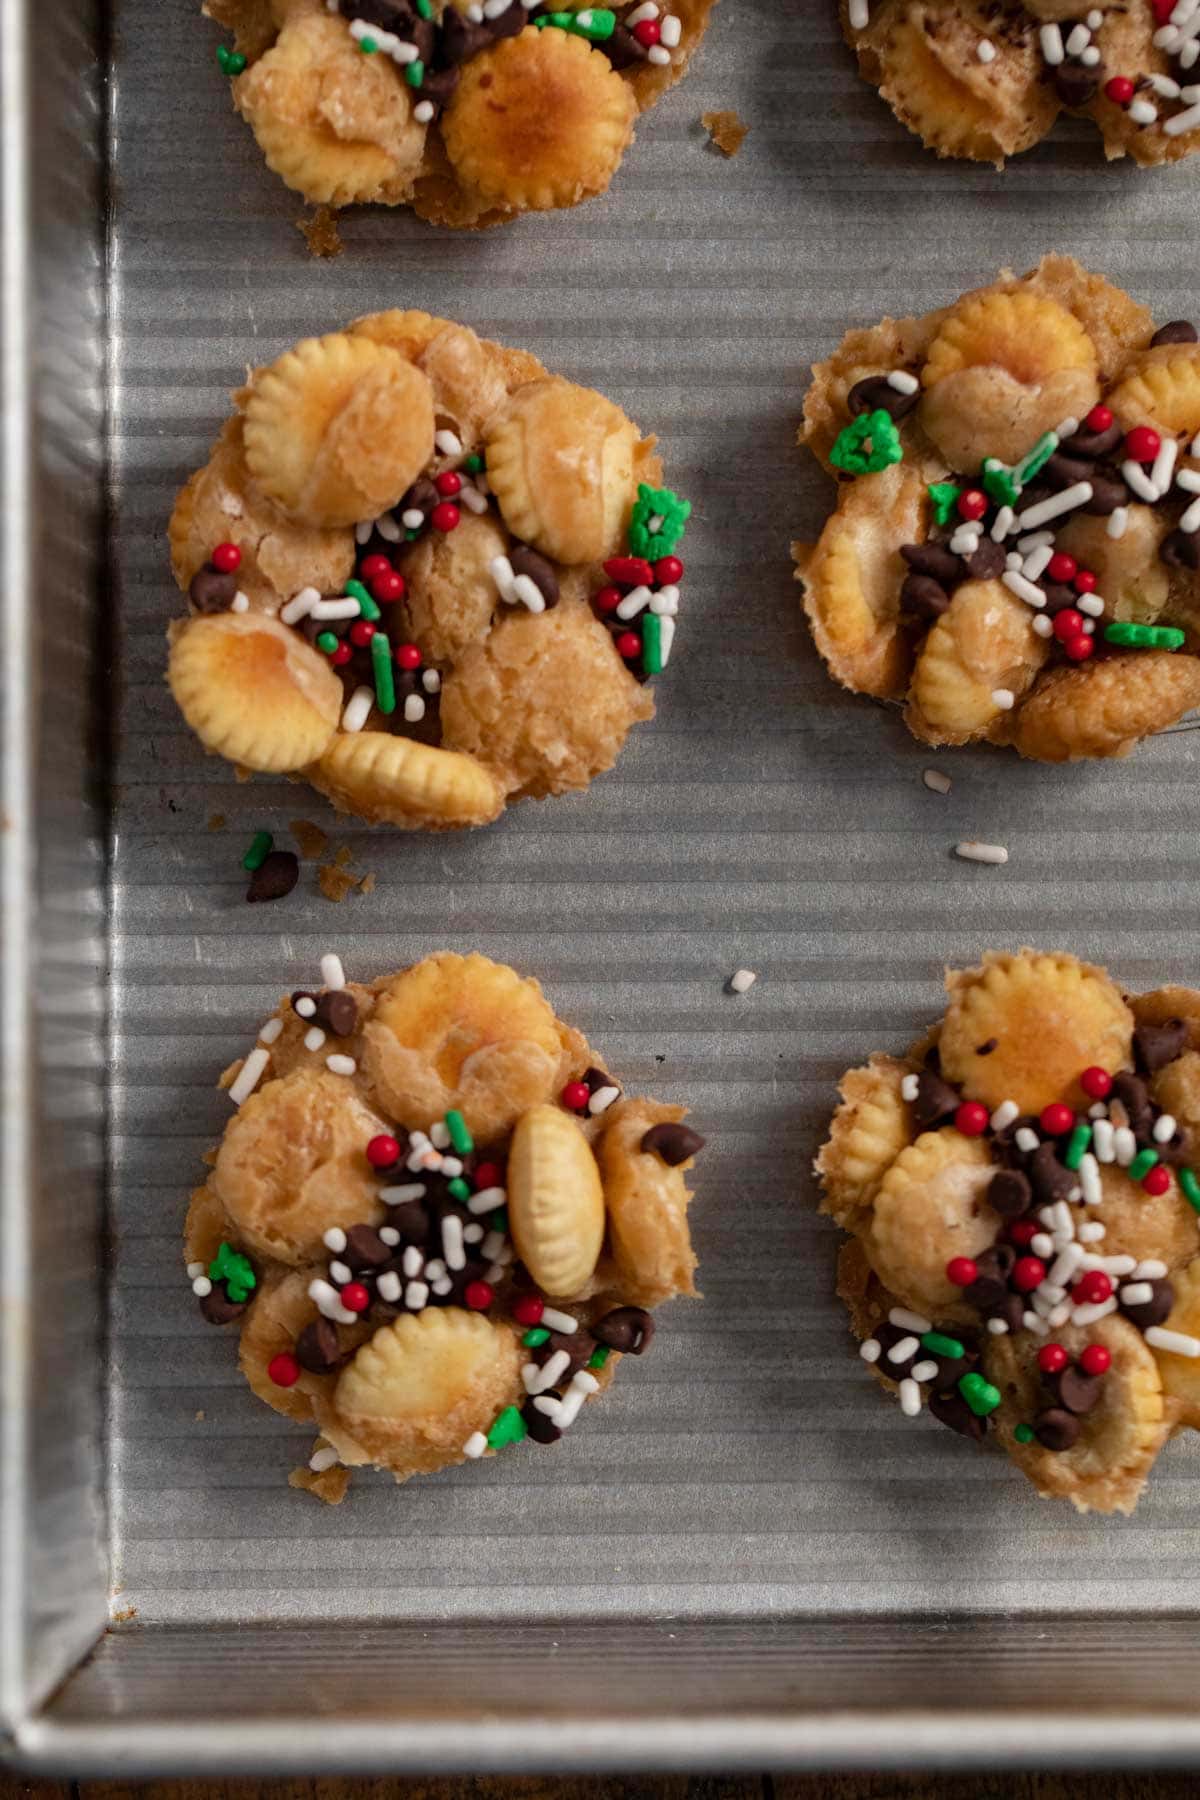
(436, 1219)
(469, 113)
(1015, 553)
(1021, 1191)
(988, 81)
(424, 574)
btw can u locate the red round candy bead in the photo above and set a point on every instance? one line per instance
(607, 600)
(372, 567)
(528, 1309)
(1157, 1180)
(283, 1369)
(448, 484)
(971, 1119)
(361, 633)
(647, 32)
(478, 1295)
(1142, 444)
(1052, 1359)
(962, 1271)
(341, 656)
(1056, 1119)
(631, 571)
(1085, 582)
(445, 516)
(1099, 419)
(629, 645)
(1096, 1082)
(1062, 567)
(354, 1297)
(488, 1175)
(1067, 624)
(1022, 1233)
(576, 1095)
(227, 558)
(389, 588)
(1120, 90)
(1093, 1289)
(1028, 1272)
(383, 1151)
(1095, 1360)
(407, 656)
(972, 504)
(1079, 648)
(667, 570)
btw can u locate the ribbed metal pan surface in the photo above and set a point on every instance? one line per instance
(765, 819)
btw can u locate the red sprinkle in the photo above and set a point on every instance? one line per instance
(341, 656)
(372, 567)
(478, 1295)
(528, 1309)
(607, 600)
(407, 656)
(1052, 1359)
(1062, 567)
(383, 1151)
(445, 516)
(448, 484)
(630, 571)
(1096, 1360)
(629, 645)
(1157, 1180)
(972, 504)
(389, 588)
(647, 32)
(971, 1119)
(227, 558)
(1028, 1272)
(1085, 582)
(1093, 1289)
(575, 1096)
(361, 633)
(1056, 1119)
(1079, 648)
(1100, 417)
(488, 1175)
(962, 1271)
(1022, 1232)
(354, 1297)
(1096, 1082)
(1142, 444)
(283, 1369)
(1120, 90)
(1068, 624)
(668, 569)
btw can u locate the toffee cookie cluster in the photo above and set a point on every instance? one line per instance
(1015, 554)
(470, 113)
(1022, 1195)
(436, 1218)
(425, 574)
(986, 83)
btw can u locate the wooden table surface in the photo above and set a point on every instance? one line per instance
(650, 1787)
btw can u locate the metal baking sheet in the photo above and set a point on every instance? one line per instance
(747, 1470)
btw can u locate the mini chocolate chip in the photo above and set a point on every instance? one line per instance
(461, 38)
(365, 1249)
(337, 1011)
(1093, 445)
(997, 1260)
(1011, 1310)
(1076, 1390)
(876, 394)
(391, 15)
(887, 1336)
(218, 1308)
(1063, 471)
(411, 1219)
(539, 1426)
(1134, 1096)
(936, 1102)
(579, 1346)
(674, 1143)
(303, 994)
(318, 1349)
(952, 1410)
(439, 85)
(1056, 1429)
(629, 1329)
(623, 49)
(1154, 1311)
(1058, 597)
(510, 22)
(1176, 331)
(539, 570)
(1076, 85)
(1004, 1144)
(1154, 1046)
(1181, 550)
(934, 560)
(1009, 1193)
(422, 496)
(989, 561)
(923, 597)
(275, 876)
(1051, 1179)
(989, 1295)
(1107, 494)
(211, 590)
(594, 1079)
(987, 1048)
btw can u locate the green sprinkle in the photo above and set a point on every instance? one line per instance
(671, 514)
(596, 23)
(867, 445)
(381, 668)
(366, 605)
(944, 495)
(327, 642)
(1143, 637)
(500, 1219)
(1023, 1434)
(460, 1137)
(460, 1189)
(414, 74)
(256, 855)
(1038, 457)
(232, 61)
(474, 464)
(236, 1271)
(940, 1345)
(1191, 1187)
(1077, 1143)
(979, 1394)
(368, 46)
(652, 661)
(599, 1356)
(409, 536)
(509, 1428)
(424, 9)
(536, 1337)
(1142, 1163)
(998, 484)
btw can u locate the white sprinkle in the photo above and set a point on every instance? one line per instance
(1061, 1219)
(538, 1380)
(397, 1196)
(909, 1321)
(1013, 561)
(364, 528)
(240, 602)
(870, 1350)
(910, 1087)
(388, 1285)
(332, 973)
(320, 1460)
(452, 1242)
(504, 577)
(860, 14)
(1077, 495)
(1095, 19)
(527, 591)
(910, 1398)
(486, 1200)
(435, 1268)
(340, 1273)
(1137, 1293)
(1142, 113)
(972, 851)
(1089, 1180)
(389, 1235)
(656, 54)
(249, 1076)
(414, 709)
(346, 608)
(924, 1371)
(1036, 562)
(1016, 584)
(1089, 1315)
(341, 1065)
(439, 1135)
(1111, 1265)
(901, 1352)
(1092, 604)
(1027, 1140)
(431, 681)
(492, 1244)
(603, 1098)
(472, 1234)
(412, 1262)
(494, 9)
(1078, 40)
(1059, 1316)
(415, 1296)
(1164, 86)
(1065, 1265)
(1091, 57)
(1097, 1110)
(1091, 1232)
(666, 639)
(1042, 1244)
(1177, 1342)
(270, 1030)
(329, 1303)
(202, 1287)
(1164, 1129)
(389, 530)
(1004, 698)
(1118, 522)
(664, 601)
(741, 981)
(304, 1007)
(314, 1037)
(903, 382)
(1191, 518)
(1052, 44)
(1125, 1145)
(1102, 1141)
(936, 781)
(1150, 1270)
(358, 709)
(1137, 478)
(1002, 524)
(635, 600)
(559, 1321)
(997, 1327)
(1188, 480)
(448, 443)
(475, 1446)
(985, 50)
(671, 34)
(470, 497)
(300, 605)
(1088, 627)
(423, 112)
(1043, 626)
(194, 1269)
(1036, 540)
(1005, 1113)
(413, 519)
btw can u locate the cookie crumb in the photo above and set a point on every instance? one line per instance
(327, 1484)
(936, 781)
(726, 131)
(343, 856)
(742, 981)
(126, 1614)
(311, 839)
(337, 883)
(367, 884)
(199, 1415)
(216, 821)
(320, 232)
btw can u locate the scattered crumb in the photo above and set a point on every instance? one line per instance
(934, 779)
(241, 773)
(199, 1416)
(335, 883)
(209, 1158)
(124, 1616)
(973, 851)
(216, 821)
(742, 981)
(726, 131)
(228, 1076)
(320, 232)
(311, 839)
(329, 1485)
(343, 856)
(367, 884)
